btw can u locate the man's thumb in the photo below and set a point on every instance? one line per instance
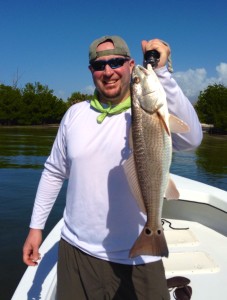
(144, 44)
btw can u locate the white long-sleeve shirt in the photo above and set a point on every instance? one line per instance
(101, 216)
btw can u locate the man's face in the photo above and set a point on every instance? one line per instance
(113, 85)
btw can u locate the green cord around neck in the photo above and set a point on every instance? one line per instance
(110, 109)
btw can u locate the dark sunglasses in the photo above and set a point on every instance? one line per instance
(114, 63)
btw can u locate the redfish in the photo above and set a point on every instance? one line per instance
(147, 169)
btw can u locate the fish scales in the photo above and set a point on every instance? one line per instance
(152, 152)
(147, 169)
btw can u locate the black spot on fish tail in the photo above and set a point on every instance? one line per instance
(150, 243)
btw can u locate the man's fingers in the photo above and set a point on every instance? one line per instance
(143, 44)
(31, 247)
(36, 257)
(31, 256)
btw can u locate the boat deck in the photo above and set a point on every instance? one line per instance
(195, 253)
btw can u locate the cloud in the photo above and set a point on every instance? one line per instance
(192, 82)
(222, 72)
(61, 94)
(88, 90)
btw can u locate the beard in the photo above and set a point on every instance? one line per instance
(114, 95)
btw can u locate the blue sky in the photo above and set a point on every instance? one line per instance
(47, 41)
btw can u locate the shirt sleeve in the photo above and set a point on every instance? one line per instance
(56, 170)
(181, 107)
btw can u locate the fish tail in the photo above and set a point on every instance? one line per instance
(150, 243)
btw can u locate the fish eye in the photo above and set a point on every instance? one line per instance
(136, 79)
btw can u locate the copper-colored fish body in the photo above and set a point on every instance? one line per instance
(152, 152)
(147, 169)
(152, 155)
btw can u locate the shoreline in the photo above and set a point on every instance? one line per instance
(30, 126)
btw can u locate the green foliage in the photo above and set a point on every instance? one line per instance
(77, 97)
(10, 103)
(34, 104)
(212, 106)
(40, 105)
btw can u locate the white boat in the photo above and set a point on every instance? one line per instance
(197, 245)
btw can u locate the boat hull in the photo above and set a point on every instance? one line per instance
(197, 242)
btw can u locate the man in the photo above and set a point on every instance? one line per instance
(101, 217)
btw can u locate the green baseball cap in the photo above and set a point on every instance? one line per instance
(120, 47)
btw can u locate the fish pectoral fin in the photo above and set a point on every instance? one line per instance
(130, 172)
(177, 125)
(172, 192)
(163, 122)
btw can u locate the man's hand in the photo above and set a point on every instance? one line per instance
(161, 47)
(31, 247)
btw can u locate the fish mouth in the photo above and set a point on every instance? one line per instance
(140, 70)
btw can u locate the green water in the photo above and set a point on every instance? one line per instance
(23, 152)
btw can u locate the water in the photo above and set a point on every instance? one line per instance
(22, 154)
(207, 164)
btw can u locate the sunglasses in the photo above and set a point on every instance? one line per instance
(114, 63)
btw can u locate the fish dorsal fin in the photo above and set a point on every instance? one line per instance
(130, 172)
(172, 192)
(177, 125)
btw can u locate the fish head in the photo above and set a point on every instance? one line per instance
(146, 89)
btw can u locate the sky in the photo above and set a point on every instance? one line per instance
(47, 41)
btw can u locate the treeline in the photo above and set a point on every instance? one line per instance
(35, 104)
(211, 107)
